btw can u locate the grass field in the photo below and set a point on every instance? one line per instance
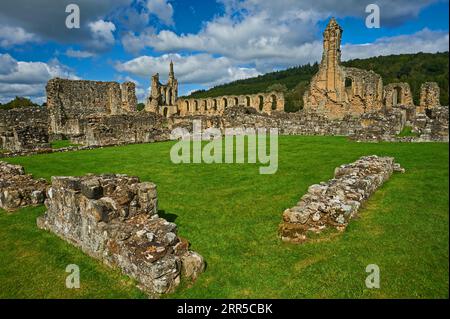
(230, 214)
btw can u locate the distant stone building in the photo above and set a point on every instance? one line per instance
(337, 90)
(163, 97)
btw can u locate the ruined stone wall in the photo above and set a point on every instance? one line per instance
(18, 189)
(336, 202)
(432, 126)
(114, 218)
(397, 94)
(140, 127)
(429, 97)
(299, 123)
(337, 91)
(68, 101)
(24, 129)
(262, 102)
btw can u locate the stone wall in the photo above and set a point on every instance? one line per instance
(114, 218)
(337, 91)
(432, 126)
(397, 94)
(429, 97)
(24, 129)
(336, 202)
(140, 127)
(18, 189)
(68, 101)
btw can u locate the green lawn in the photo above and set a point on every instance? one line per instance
(230, 214)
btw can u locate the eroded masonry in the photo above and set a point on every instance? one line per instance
(114, 218)
(335, 202)
(339, 101)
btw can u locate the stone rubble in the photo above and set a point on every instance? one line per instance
(114, 218)
(18, 189)
(336, 202)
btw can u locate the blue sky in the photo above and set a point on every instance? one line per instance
(211, 42)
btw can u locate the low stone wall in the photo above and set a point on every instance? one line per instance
(18, 189)
(121, 129)
(334, 203)
(114, 218)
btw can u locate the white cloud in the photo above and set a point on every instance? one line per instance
(46, 18)
(102, 34)
(29, 78)
(422, 41)
(7, 64)
(201, 69)
(79, 54)
(162, 9)
(11, 36)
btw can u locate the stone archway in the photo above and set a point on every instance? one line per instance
(273, 100)
(165, 111)
(236, 101)
(397, 96)
(261, 103)
(247, 101)
(224, 103)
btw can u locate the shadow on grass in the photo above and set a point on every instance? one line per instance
(167, 216)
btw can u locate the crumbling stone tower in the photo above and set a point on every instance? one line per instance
(336, 90)
(331, 59)
(163, 97)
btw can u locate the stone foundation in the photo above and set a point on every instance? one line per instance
(18, 189)
(114, 218)
(336, 202)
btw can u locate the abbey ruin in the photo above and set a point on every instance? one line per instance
(114, 217)
(339, 101)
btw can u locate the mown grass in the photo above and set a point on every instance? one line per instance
(230, 214)
(407, 132)
(62, 144)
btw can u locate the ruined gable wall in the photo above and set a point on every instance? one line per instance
(69, 100)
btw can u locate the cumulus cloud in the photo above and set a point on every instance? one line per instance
(11, 36)
(422, 41)
(392, 12)
(28, 78)
(162, 9)
(45, 20)
(7, 64)
(201, 69)
(102, 34)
